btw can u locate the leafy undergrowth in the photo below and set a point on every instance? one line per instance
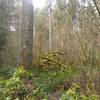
(75, 93)
(50, 76)
(14, 87)
(38, 84)
(6, 71)
(46, 81)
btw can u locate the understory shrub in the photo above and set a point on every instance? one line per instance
(46, 81)
(6, 71)
(74, 93)
(15, 87)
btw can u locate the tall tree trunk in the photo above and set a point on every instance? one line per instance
(27, 33)
(50, 23)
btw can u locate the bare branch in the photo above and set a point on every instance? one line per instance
(96, 7)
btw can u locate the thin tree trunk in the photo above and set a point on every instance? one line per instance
(50, 24)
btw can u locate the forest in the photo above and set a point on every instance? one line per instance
(50, 52)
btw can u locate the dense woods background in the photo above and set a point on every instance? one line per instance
(56, 46)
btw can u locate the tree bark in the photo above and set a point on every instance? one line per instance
(27, 33)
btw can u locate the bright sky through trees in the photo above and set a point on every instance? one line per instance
(39, 3)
